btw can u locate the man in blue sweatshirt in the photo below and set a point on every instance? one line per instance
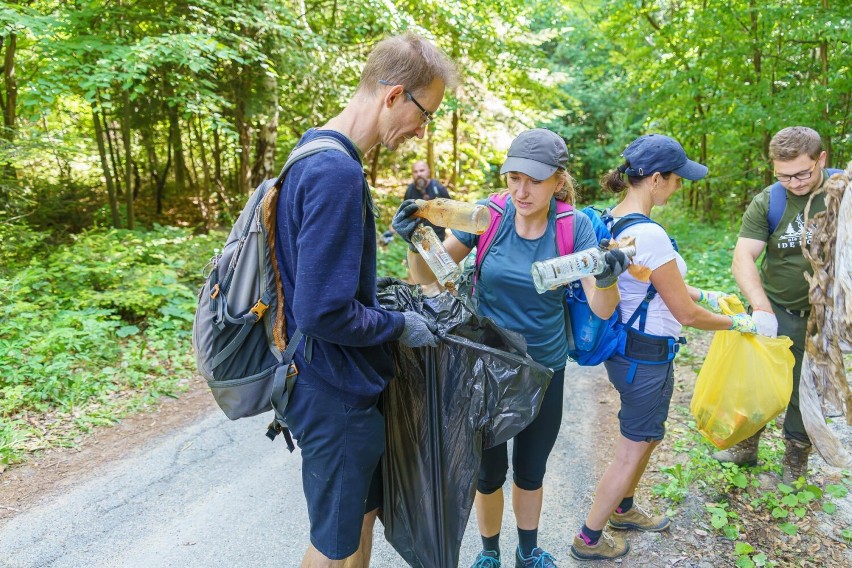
(326, 250)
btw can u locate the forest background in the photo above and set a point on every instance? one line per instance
(133, 132)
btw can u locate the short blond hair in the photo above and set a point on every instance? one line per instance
(792, 142)
(408, 60)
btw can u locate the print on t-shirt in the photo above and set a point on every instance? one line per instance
(792, 237)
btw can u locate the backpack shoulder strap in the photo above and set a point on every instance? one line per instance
(564, 228)
(622, 224)
(318, 144)
(777, 204)
(497, 205)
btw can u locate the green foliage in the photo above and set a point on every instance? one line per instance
(737, 491)
(87, 325)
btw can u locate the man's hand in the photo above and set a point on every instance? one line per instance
(743, 323)
(616, 262)
(766, 322)
(418, 331)
(403, 222)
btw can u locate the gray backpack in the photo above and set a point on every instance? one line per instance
(239, 335)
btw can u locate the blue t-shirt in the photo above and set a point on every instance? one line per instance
(505, 287)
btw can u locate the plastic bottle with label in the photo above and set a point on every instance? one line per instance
(459, 215)
(427, 243)
(555, 272)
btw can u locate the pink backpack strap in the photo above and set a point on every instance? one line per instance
(564, 228)
(497, 205)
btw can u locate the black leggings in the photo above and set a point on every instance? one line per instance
(531, 448)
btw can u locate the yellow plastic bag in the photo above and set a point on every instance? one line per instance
(745, 382)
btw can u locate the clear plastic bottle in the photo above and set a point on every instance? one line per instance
(460, 215)
(429, 246)
(555, 272)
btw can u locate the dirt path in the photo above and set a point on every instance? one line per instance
(191, 465)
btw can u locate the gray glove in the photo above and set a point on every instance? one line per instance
(418, 331)
(616, 262)
(403, 222)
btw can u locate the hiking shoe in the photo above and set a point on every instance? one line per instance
(538, 558)
(487, 559)
(637, 518)
(607, 548)
(795, 461)
(744, 453)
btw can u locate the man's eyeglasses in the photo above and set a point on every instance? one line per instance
(427, 116)
(801, 176)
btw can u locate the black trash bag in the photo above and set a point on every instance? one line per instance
(477, 389)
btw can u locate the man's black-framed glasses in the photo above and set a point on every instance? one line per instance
(801, 176)
(427, 116)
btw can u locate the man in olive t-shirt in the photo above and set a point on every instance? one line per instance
(777, 291)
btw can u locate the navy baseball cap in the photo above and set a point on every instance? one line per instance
(537, 153)
(657, 153)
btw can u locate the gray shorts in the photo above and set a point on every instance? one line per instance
(644, 402)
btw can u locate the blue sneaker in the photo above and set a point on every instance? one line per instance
(487, 559)
(538, 558)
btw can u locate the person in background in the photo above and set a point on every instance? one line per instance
(777, 291)
(655, 167)
(424, 186)
(326, 226)
(537, 176)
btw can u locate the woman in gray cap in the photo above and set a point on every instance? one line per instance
(655, 167)
(524, 230)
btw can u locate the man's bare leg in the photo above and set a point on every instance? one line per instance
(360, 559)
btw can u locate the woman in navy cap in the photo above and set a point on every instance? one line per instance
(655, 167)
(524, 230)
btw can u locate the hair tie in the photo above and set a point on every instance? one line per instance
(622, 168)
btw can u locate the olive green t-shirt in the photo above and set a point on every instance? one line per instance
(783, 267)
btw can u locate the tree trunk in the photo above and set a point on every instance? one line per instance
(217, 156)
(177, 149)
(205, 186)
(10, 104)
(114, 161)
(264, 158)
(128, 160)
(113, 200)
(430, 152)
(455, 163)
(823, 57)
(244, 176)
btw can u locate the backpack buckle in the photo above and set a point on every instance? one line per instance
(292, 370)
(259, 309)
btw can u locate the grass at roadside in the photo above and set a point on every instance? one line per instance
(93, 329)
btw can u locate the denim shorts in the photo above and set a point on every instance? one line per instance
(341, 447)
(645, 401)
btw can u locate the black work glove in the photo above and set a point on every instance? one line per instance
(387, 281)
(616, 262)
(418, 331)
(403, 222)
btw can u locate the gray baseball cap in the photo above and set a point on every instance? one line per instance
(537, 153)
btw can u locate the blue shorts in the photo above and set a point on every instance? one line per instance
(341, 447)
(644, 402)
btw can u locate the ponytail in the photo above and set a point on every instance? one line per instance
(567, 192)
(614, 179)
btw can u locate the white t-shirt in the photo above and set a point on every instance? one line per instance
(653, 249)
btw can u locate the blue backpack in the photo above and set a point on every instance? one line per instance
(778, 202)
(592, 340)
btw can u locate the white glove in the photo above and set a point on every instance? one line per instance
(767, 323)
